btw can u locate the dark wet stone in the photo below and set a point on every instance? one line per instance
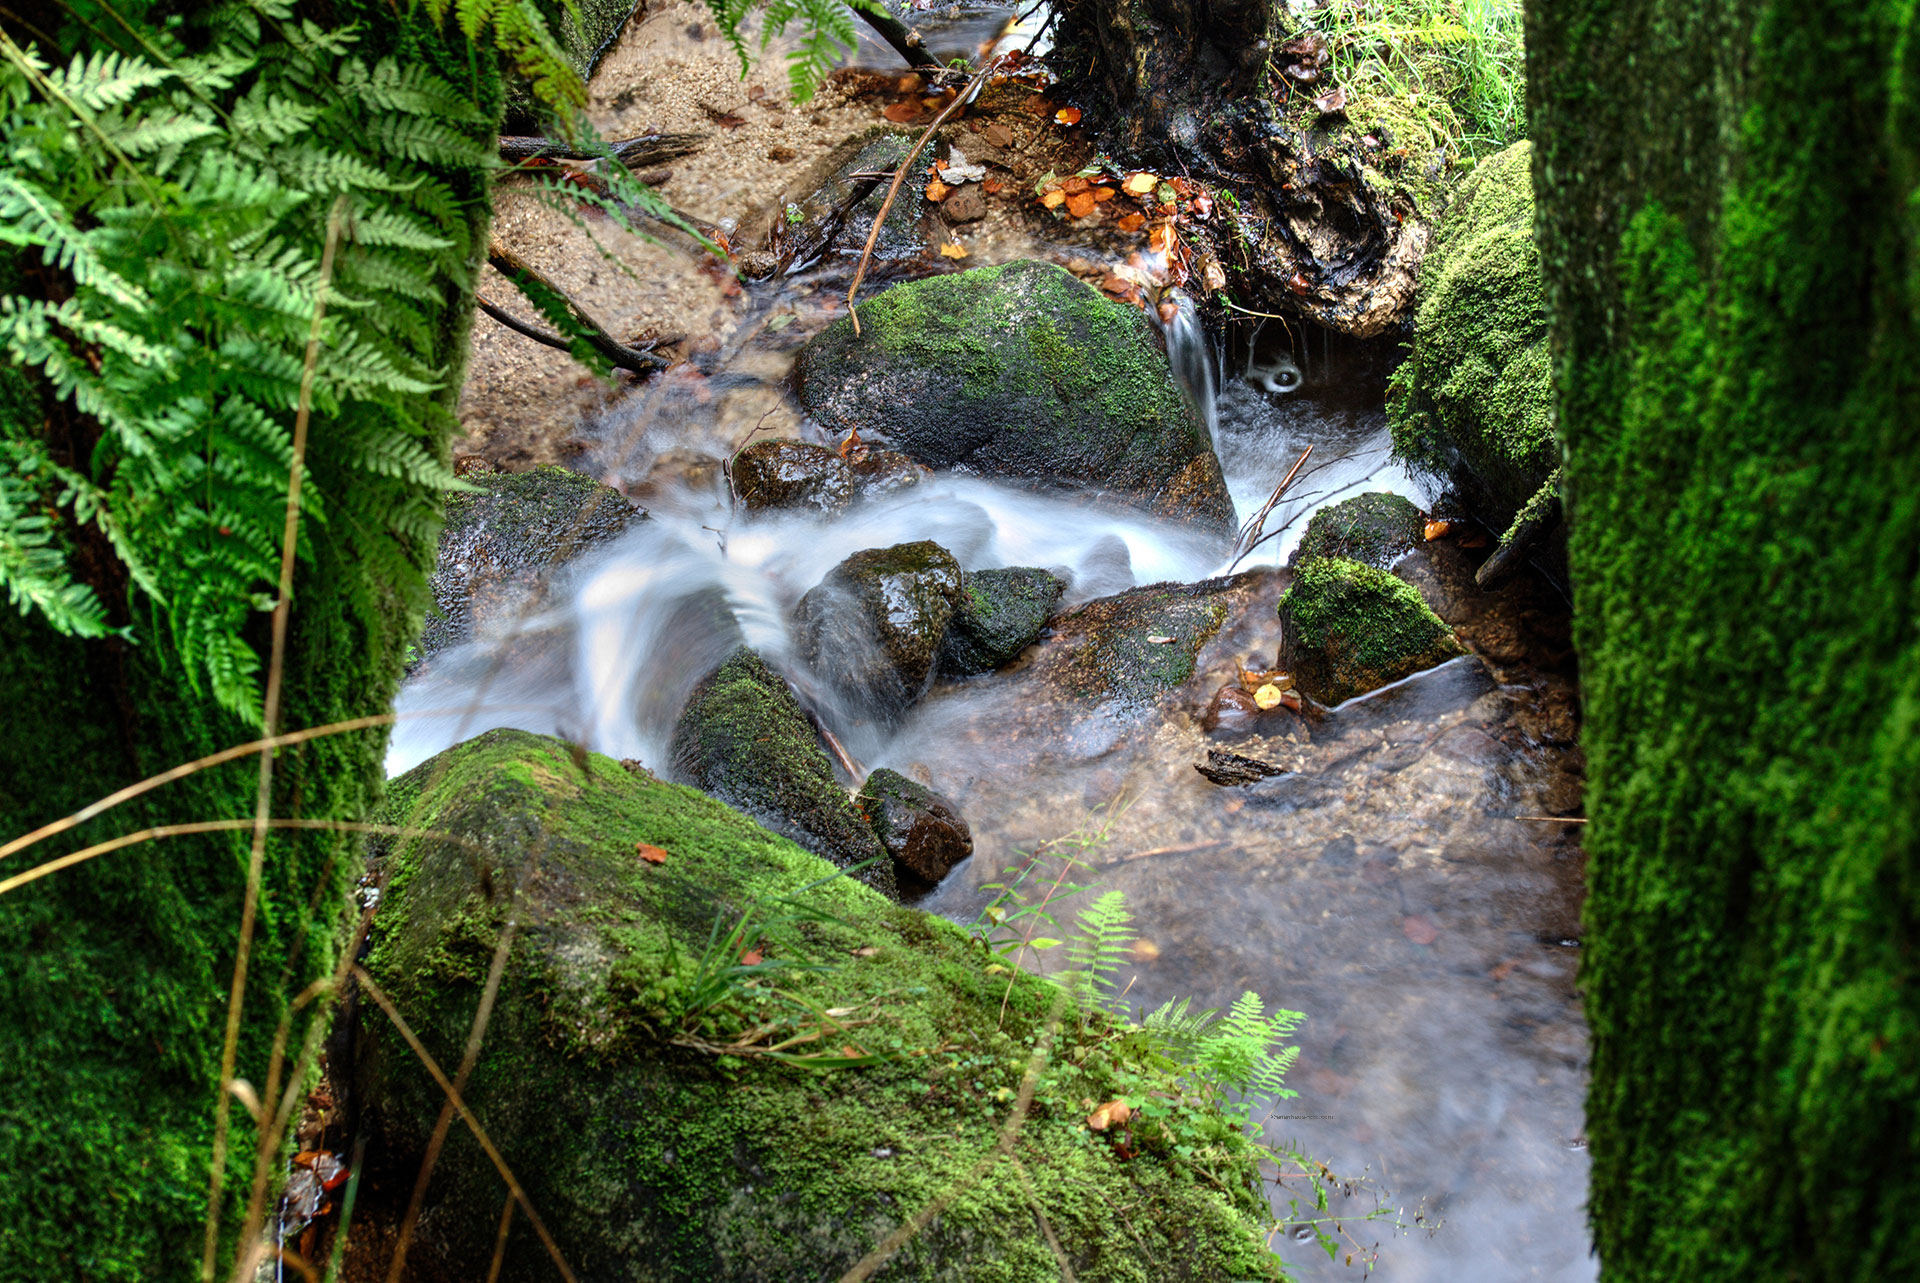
(1231, 769)
(1230, 712)
(968, 205)
(745, 740)
(1021, 373)
(919, 828)
(999, 614)
(500, 547)
(1374, 529)
(872, 628)
(1351, 628)
(801, 476)
(1124, 651)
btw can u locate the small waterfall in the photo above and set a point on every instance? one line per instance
(1190, 356)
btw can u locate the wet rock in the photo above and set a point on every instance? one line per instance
(1375, 529)
(1229, 769)
(647, 1155)
(1021, 373)
(1231, 711)
(744, 739)
(968, 205)
(836, 217)
(1123, 652)
(872, 628)
(999, 613)
(801, 476)
(920, 829)
(1352, 628)
(1473, 405)
(1105, 569)
(499, 548)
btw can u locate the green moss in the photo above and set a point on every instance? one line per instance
(1113, 657)
(652, 1161)
(1000, 614)
(1377, 529)
(1728, 230)
(1543, 498)
(1021, 372)
(1472, 403)
(1351, 628)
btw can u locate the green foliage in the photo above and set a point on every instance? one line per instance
(827, 27)
(1453, 69)
(181, 203)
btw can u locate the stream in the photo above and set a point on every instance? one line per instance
(1387, 887)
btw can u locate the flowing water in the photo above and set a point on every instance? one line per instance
(1386, 887)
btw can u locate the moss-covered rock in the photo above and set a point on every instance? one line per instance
(872, 628)
(1351, 628)
(1123, 652)
(1377, 529)
(500, 546)
(999, 614)
(804, 477)
(1472, 404)
(920, 829)
(1021, 373)
(743, 738)
(649, 1159)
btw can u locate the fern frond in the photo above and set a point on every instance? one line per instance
(105, 79)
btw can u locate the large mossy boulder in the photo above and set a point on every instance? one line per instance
(1019, 373)
(999, 614)
(1350, 628)
(502, 544)
(647, 1154)
(1377, 529)
(872, 628)
(1472, 404)
(744, 739)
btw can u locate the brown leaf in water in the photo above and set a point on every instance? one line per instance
(1080, 204)
(903, 111)
(1104, 194)
(1132, 222)
(650, 853)
(1437, 530)
(992, 186)
(1419, 928)
(1142, 183)
(1038, 105)
(999, 135)
(1474, 539)
(1076, 184)
(1111, 1114)
(1054, 199)
(938, 191)
(1144, 950)
(1160, 237)
(1067, 116)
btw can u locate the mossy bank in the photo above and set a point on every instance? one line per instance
(651, 1159)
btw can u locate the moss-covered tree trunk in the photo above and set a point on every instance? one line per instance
(1727, 199)
(114, 974)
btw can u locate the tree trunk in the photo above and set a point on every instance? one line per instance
(1726, 223)
(1319, 223)
(114, 973)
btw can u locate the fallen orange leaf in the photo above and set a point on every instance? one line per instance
(1141, 184)
(1081, 204)
(1268, 696)
(991, 186)
(951, 250)
(902, 111)
(938, 191)
(1054, 199)
(1132, 222)
(1104, 194)
(1160, 238)
(1438, 530)
(1075, 185)
(650, 853)
(1068, 115)
(752, 958)
(1111, 1114)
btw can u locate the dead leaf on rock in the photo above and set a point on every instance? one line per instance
(1067, 116)
(1334, 100)
(1142, 183)
(1081, 204)
(952, 250)
(938, 191)
(1419, 928)
(1438, 530)
(1054, 199)
(903, 111)
(1268, 696)
(1111, 1114)
(999, 135)
(650, 853)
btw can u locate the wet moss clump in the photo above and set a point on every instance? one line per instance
(1352, 628)
(1377, 529)
(1000, 613)
(1472, 403)
(1024, 373)
(1127, 650)
(744, 739)
(648, 1157)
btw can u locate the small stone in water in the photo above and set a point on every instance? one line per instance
(1232, 709)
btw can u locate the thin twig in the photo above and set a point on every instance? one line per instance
(500, 1241)
(510, 265)
(847, 764)
(1184, 848)
(1242, 545)
(439, 1076)
(900, 176)
(904, 39)
(270, 720)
